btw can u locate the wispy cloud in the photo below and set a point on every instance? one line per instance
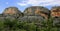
(39, 2)
(22, 4)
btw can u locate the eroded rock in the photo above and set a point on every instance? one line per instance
(12, 11)
(37, 11)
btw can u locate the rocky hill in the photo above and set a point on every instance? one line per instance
(36, 11)
(55, 14)
(12, 11)
(55, 11)
(32, 13)
(34, 18)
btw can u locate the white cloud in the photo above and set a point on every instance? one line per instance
(39, 2)
(22, 4)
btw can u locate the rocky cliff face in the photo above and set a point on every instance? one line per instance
(12, 11)
(32, 13)
(37, 11)
(55, 14)
(55, 11)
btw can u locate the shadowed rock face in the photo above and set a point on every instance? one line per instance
(55, 11)
(56, 21)
(36, 11)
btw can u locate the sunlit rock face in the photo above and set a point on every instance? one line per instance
(55, 11)
(12, 11)
(36, 11)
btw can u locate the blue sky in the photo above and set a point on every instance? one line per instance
(22, 4)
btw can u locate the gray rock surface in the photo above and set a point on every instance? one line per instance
(56, 22)
(32, 18)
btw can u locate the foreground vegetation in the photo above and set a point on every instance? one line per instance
(16, 25)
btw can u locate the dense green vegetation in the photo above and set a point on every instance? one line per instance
(16, 25)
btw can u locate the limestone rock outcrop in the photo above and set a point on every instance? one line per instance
(37, 11)
(33, 13)
(12, 11)
(55, 14)
(55, 11)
